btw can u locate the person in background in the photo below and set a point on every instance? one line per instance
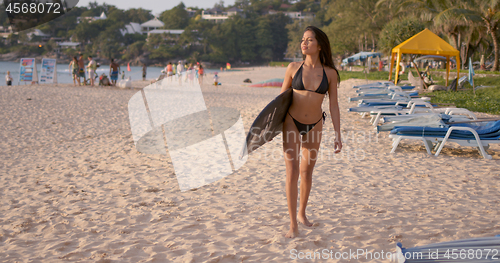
(188, 71)
(91, 67)
(216, 79)
(73, 68)
(169, 69)
(81, 65)
(196, 68)
(191, 73)
(179, 69)
(123, 74)
(114, 68)
(144, 69)
(8, 79)
(200, 74)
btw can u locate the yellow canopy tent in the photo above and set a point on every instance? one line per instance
(425, 43)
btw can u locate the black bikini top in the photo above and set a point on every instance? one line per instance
(299, 85)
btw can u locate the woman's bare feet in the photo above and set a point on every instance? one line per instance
(303, 220)
(293, 232)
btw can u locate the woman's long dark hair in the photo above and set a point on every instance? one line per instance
(325, 54)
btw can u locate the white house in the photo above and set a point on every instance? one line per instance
(215, 15)
(151, 25)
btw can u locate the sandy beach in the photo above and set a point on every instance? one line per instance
(73, 187)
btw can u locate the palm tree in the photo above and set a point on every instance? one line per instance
(428, 10)
(485, 13)
(389, 8)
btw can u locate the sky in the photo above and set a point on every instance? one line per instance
(157, 6)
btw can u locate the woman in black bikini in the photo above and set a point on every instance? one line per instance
(311, 80)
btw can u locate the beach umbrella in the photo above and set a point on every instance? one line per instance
(433, 57)
(361, 56)
(471, 75)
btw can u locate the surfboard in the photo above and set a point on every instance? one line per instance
(269, 123)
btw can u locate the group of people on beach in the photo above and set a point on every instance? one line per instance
(191, 71)
(77, 68)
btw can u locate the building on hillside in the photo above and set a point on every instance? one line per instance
(91, 18)
(217, 15)
(166, 31)
(150, 25)
(294, 15)
(169, 35)
(235, 11)
(69, 44)
(6, 31)
(37, 33)
(191, 12)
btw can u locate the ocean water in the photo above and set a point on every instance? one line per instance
(64, 74)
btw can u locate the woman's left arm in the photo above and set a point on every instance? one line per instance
(334, 108)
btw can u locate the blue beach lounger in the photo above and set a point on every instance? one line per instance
(367, 106)
(406, 113)
(382, 84)
(478, 134)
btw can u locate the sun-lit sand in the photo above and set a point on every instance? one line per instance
(74, 188)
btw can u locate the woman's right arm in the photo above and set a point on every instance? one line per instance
(287, 81)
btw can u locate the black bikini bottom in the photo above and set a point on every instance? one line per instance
(305, 128)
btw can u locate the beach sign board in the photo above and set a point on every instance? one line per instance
(27, 72)
(48, 73)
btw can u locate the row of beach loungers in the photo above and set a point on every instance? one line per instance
(399, 111)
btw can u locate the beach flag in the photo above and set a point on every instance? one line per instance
(228, 66)
(471, 75)
(128, 67)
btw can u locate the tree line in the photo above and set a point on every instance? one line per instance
(255, 36)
